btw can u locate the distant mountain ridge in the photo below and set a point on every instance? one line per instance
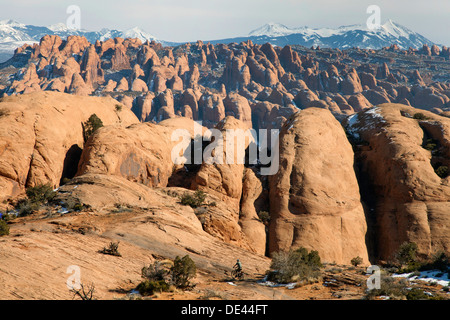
(342, 37)
(14, 34)
(14, 31)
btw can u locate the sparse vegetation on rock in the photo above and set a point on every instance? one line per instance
(356, 261)
(264, 217)
(91, 125)
(162, 276)
(37, 197)
(42, 193)
(182, 271)
(85, 292)
(420, 116)
(442, 171)
(150, 287)
(112, 249)
(4, 228)
(294, 266)
(195, 200)
(406, 256)
(394, 288)
(73, 204)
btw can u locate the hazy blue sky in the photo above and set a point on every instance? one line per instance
(190, 20)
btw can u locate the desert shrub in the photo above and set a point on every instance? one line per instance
(294, 265)
(420, 116)
(85, 292)
(162, 276)
(211, 294)
(118, 107)
(430, 144)
(442, 171)
(407, 253)
(26, 207)
(156, 278)
(112, 249)
(356, 261)
(182, 271)
(148, 288)
(73, 204)
(36, 197)
(42, 193)
(264, 217)
(4, 228)
(416, 294)
(406, 258)
(156, 271)
(193, 201)
(439, 261)
(91, 125)
(394, 288)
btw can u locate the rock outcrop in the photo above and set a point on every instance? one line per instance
(141, 152)
(401, 151)
(225, 181)
(314, 196)
(42, 136)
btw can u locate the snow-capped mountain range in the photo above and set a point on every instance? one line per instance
(342, 37)
(14, 31)
(14, 34)
(272, 29)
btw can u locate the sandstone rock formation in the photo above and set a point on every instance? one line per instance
(225, 181)
(250, 224)
(141, 152)
(314, 196)
(409, 200)
(41, 142)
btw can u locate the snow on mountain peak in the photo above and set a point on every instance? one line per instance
(272, 29)
(396, 30)
(11, 23)
(58, 27)
(276, 30)
(357, 35)
(137, 32)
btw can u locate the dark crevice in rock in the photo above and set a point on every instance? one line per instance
(71, 160)
(432, 143)
(368, 200)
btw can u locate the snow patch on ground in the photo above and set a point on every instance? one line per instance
(352, 121)
(266, 283)
(372, 119)
(430, 276)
